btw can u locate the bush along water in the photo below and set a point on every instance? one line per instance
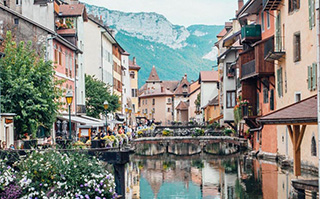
(51, 174)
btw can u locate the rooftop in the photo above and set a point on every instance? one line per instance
(209, 76)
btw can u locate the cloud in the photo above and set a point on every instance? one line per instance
(180, 12)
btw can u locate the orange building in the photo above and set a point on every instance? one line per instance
(257, 73)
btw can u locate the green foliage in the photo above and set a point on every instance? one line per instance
(214, 125)
(28, 88)
(198, 132)
(197, 102)
(51, 174)
(229, 132)
(97, 92)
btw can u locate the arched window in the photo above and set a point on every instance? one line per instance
(313, 147)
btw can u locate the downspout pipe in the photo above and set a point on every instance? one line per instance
(317, 6)
(257, 129)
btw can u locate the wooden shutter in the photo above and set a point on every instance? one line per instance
(310, 13)
(278, 82)
(313, 16)
(278, 34)
(314, 76)
(309, 77)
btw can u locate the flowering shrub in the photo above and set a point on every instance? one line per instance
(167, 132)
(198, 132)
(51, 174)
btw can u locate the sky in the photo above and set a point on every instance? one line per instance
(178, 12)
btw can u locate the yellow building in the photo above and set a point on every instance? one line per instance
(212, 110)
(134, 72)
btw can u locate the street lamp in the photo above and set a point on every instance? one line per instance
(130, 111)
(105, 106)
(69, 98)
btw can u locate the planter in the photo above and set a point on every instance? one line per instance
(30, 144)
(95, 144)
(63, 144)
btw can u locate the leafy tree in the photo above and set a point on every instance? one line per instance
(97, 92)
(197, 102)
(28, 88)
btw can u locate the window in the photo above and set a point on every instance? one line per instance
(262, 21)
(294, 5)
(169, 110)
(296, 47)
(134, 92)
(169, 100)
(18, 2)
(16, 21)
(153, 101)
(231, 99)
(271, 99)
(55, 53)
(133, 108)
(230, 72)
(279, 82)
(60, 56)
(265, 91)
(142, 102)
(278, 37)
(312, 77)
(311, 14)
(313, 147)
(67, 64)
(297, 97)
(268, 20)
(132, 74)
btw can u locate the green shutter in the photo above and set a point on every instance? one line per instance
(310, 13)
(278, 82)
(314, 76)
(309, 77)
(313, 13)
(281, 83)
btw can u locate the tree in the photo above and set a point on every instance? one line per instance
(96, 93)
(28, 88)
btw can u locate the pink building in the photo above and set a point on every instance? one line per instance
(64, 58)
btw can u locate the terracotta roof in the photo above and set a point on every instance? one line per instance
(125, 53)
(179, 90)
(213, 102)
(222, 33)
(182, 106)
(209, 76)
(66, 31)
(133, 66)
(194, 87)
(172, 85)
(72, 10)
(304, 111)
(153, 75)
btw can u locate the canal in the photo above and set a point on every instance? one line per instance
(206, 176)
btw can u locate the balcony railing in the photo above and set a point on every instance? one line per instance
(278, 50)
(270, 4)
(251, 33)
(248, 68)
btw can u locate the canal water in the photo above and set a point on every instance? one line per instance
(206, 176)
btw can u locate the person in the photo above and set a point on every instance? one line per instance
(0, 144)
(4, 145)
(121, 130)
(11, 147)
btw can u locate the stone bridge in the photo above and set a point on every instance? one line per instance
(181, 130)
(187, 145)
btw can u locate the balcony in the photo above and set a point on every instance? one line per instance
(270, 4)
(253, 62)
(250, 33)
(277, 51)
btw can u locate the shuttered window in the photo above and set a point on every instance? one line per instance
(312, 77)
(278, 34)
(311, 13)
(279, 82)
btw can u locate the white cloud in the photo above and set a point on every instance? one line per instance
(180, 12)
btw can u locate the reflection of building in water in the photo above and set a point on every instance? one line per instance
(132, 177)
(188, 179)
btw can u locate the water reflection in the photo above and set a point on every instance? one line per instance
(204, 176)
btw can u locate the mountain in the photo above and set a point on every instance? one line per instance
(153, 40)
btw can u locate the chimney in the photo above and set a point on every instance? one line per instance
(240, 4)
(185, 75)
(134, 61)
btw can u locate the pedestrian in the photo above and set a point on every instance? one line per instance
(4, 145)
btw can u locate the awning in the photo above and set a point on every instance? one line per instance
(81, 120)
(302, 112)
(120, 117)
(227, 42)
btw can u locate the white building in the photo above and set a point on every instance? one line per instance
(209, 85)
(126, 85)
(98, 60)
